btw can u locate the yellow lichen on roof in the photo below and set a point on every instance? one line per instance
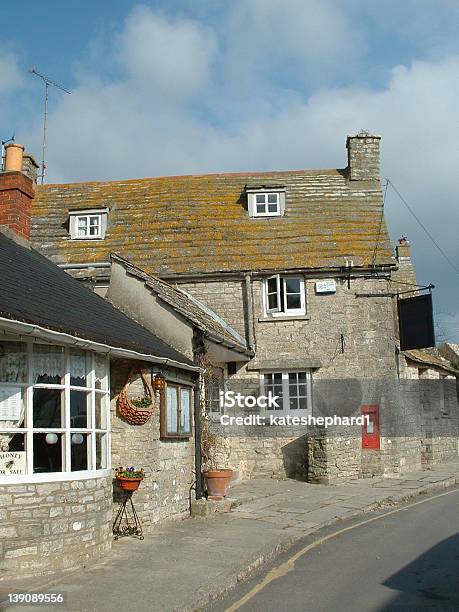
(176, 225)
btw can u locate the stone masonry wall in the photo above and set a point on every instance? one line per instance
(168, 464)
(364, 353)
(47, 527)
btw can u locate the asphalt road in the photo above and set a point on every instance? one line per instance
(404, 559)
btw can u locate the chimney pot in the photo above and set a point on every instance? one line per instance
(13, 157)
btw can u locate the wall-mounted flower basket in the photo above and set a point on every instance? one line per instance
(136, 411)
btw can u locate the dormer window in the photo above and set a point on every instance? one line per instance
(266, 201)
(88, 224)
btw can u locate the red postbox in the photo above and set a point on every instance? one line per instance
(371, 437)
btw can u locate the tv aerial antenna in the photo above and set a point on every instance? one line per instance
(5, 142)
(47, 81)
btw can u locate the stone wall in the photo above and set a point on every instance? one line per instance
(351, 338)
(52, 526)
(168, 464)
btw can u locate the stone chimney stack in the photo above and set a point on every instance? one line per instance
(17, 190)
(363, 157)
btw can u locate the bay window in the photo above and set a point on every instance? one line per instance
(54, 409)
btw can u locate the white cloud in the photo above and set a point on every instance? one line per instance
(10, 74)
(188, 105)
(166, 57)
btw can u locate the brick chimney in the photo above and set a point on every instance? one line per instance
(17, 190)
(363, 157)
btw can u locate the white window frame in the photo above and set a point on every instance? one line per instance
(286, 392)
(281, 310)
(65, 430)
(76, 215)
(252, 202)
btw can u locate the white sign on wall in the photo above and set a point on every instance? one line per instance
(326, 286)
(10, 403)
(12, 462)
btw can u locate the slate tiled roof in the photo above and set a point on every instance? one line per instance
(184, 224)
(431, 357)
(34, 290)
(189, 307)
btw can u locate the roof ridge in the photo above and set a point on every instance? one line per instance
(203, 175)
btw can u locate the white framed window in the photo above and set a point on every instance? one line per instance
(293, 389)
(284, 296)
(266, 203)
(88, 224)
(54, 411)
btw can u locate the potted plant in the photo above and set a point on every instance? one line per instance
(130, 478)
(217, 478)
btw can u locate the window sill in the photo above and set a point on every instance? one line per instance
(286, 318)
(87, 238)
(53, 477)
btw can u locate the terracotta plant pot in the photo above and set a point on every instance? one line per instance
(218, 482)
(129, 484)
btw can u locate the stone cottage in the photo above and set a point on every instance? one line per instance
(65, 353)
(298, 264)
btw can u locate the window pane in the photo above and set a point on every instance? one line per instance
(79, 409)
(261, 198)
(172, 409)
(261, 208)
(47, 408)
(12, 443)
(48, 364)
(272, 208)
(272, 301)
(185, 398)
(293, 403)
(79, 366)
(101, 410)
(47, 452)
(273, 384)
(13, 360)
(101, 451)
(272, 198)
(292, 285)
(293, 301)
(94, 221)
(11, 406)
(79, 451)
(100, 366)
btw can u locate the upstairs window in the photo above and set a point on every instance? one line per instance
(284, 296)
(88, 224)
(266, 202)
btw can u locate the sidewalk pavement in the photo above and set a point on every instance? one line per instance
(186, 565)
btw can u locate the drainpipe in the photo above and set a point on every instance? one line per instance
(197, 435)
(249, 299)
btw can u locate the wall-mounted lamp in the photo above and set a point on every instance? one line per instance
(159, 383)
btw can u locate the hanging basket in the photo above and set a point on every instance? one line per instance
(127, 410)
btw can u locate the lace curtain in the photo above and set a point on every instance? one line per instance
(13, 369)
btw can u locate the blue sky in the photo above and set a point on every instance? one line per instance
(207, 85)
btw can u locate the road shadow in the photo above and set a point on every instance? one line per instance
(431, 582)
